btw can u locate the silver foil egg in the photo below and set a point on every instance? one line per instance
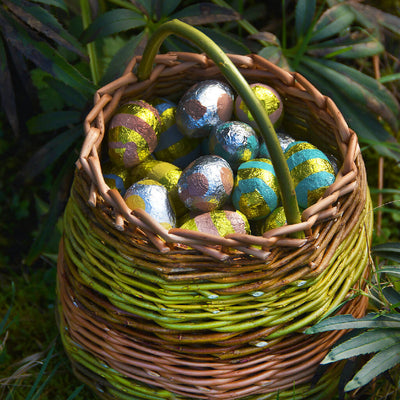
(151, 196)
(206, 183)
(202, 106)
(235, 141)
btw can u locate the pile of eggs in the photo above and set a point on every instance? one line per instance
(201, 164)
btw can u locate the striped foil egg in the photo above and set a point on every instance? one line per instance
(310, 170)
(133, 133)
(256, 192)
(218, 222)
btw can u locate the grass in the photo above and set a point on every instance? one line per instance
(33, 364)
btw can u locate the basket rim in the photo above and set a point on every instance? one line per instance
(108, 97)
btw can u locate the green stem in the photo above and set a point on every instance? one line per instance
(91, 47)
(239, 83)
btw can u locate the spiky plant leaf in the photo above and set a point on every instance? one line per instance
(45, 23)
(111, 22)
(46, 122)
(349, 322)
(366, 125)
(56, 3)
(390, 251)
(379, 363)
(206, 13)
(390, 270)
(43, 55)
(7, 94)
(304, 14)
(367, 342)
(347, 49)
(349, 85)
(333, 21)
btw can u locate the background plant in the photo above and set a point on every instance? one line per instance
(54, 54)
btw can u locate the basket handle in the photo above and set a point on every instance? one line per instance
(238, 82)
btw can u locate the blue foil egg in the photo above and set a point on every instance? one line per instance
(256, 191)
(151, 196)
(310, 170)
(173, 146)
(204, 105)
(234, 141)
(115, 177)
(206, 183)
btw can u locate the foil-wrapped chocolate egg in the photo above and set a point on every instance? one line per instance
(256, 191)
(274, 220)
(270, 100)
(163, 172)
(133, 133)
(284, 141)
(151, 196)
(115, 177)
(206, 183)
(310, 170)
(173, 146)
(219, 222)
(202, 106)
(235, 141)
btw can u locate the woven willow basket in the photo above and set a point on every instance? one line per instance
(147, 313)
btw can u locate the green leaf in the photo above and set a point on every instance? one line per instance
(111, 22)
(365, 124)
(167, 7)
(392, 296)
(275, 55)
(47, 230)
(378, 364)
(332, 22)
(118, 63)
(379, 91)
(71, 97)
(350, 49)
(206, 13)
(75, 392)
(7, 94)
(31, 393)
(350, 86)
(4, 322)
(365, 343)
(47, 122)
(45, 23)
(228, 42)
(340, 322)
(55, 3)
(390, 78)
(389, 251)
(377, 16)
(304, 14)
(50, 152)
(44, 56)
(390, 270)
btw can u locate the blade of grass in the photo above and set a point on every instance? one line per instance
(31, 394)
